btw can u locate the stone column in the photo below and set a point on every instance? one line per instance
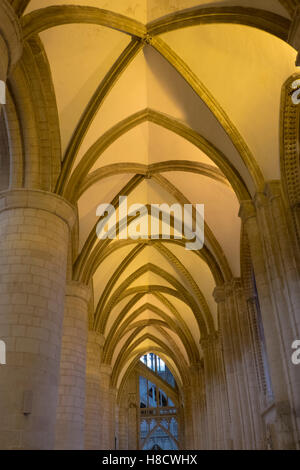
(216, 393)
(93, 404)
(132, 402)
(34, 237)
(278, 288)
(189, 442)
(129, 413)
(235, 433)
(181, 425)
(113, 410)
(242, 386)
(10, 40)
(71, 404)
(108, 399)
(198, 401)
(296, 216)
(123, 427)
(260, 354)
(252, 400)
(132, 426)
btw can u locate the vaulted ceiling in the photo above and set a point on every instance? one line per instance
(163, 101)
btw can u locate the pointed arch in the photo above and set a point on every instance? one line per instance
(167, 122)
(101, 317)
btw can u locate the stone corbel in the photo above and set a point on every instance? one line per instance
(247, 210)
(273, 190)
(219, 294)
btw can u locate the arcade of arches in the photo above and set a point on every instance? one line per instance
(162, 101)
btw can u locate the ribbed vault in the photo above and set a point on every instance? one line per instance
(134, 98)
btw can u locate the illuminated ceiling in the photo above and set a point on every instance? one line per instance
(177, 108)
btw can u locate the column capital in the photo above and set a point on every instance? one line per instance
(260, 200)
(209, 340)
(234, 285)
(78, 289)
(273, 189)
(219, 294)
(38, 199)
(197, 366)
(11, 31)
(247, 210)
